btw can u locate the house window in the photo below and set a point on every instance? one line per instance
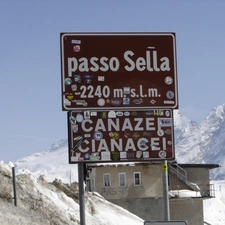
(106, 180)
(122, 179)
(137, 179)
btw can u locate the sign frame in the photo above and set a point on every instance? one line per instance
(130, 136)
(90, 80)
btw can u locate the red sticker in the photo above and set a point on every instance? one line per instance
(76, 48)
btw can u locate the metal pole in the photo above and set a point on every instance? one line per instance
(14, 186)
(81, 193)
(166, 192)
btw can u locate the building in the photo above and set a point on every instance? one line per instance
(138, 187)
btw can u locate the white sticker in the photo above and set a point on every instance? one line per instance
(162, 154)
(160, 133)
(123, 155)
(79, 118)
(105, 155)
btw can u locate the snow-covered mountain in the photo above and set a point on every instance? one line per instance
(52, 163)
(204, 142)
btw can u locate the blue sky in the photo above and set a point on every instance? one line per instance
(30, 88)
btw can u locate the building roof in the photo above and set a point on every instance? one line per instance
(210, 166)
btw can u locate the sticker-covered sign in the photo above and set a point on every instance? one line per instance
(120, 136)
(118, 71)
(165, 223)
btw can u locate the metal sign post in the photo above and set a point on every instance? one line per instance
(166, 192)
(14, 186)
(81, 193)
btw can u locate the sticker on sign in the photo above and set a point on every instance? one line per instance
(165, 223)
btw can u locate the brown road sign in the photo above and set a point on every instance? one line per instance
(165, 223)
(118, 71)
(120, 136)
